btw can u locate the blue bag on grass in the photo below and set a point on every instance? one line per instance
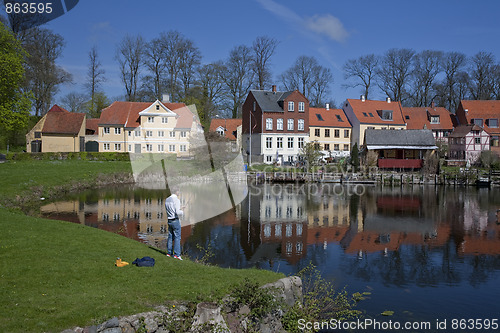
(144, 262)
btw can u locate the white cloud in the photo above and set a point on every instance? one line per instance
(327, 25)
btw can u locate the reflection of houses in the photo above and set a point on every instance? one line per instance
(400, 149)
(437, 119)
(466, 143)
(57, 131)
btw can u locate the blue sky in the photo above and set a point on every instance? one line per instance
(330, 30)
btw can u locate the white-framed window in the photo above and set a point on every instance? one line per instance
(105, 130)
(291, 106)
(137, 132)
(151, 119)
(300, 124)
(290, 143)
(289, 125)
(129, 133)
(269, 158)
(302, 106)
(129, 147)
(183, 134)
(161, 133)
(269, 142)
(164, 120)
(118, 130)
(172, 134)
(161, 147)
(279, 142)
(300, 143)
(149, 147)
(171, 148)
(118, 146)
(279, 124)
(149, 133)
(105, 146)
(182, 148)
(269, 124)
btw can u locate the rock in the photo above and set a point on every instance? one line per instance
(112, 330)
(113, 322)
(209, 313)
(290, 289)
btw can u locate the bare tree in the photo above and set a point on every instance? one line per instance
(238, 77)
(362, 69)
(43, 76)
(155, 61)
(393, 74)
(212, 85)
(74, 102)
(453, 64)
(309, 77)
(482, 69)
(190, 58)
(427, 65)
(172, 41)
(263, 49)
(95, 76)
(129, 55)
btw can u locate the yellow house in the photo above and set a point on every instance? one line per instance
(57, 131)
(332, 130)
(142, 127)
(364, 114)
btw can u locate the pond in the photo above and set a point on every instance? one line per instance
(427, 253)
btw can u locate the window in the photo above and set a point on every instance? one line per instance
(183, 148)
(434, 119)
(269, 124)
(336, 133)
(290, 124)
(300, 143)
(477, 140)
(317, 146)
(183, 134)
(269, 142)
(492, 123)
(137, 132)
(161, 133)
(300, 124)
(161, 147)
(478, 122)
(494, 141)
(149, 147)
(106, 146)
(346, 133)
(407, 117)
(339, 118)
(129, 147)
(149, 133)
(254, 106)
(164, 120)
(279, 124)
(384, 114)
(157, 107)
(371, 114)
(269, 158)
(172, 134)
(118, 146)
(151, 119)
(327, 146)
(320, 117)
(129, 133)
(171, 148)
(301, 106)
(279, 143)
(364, 114)
(118, 130)
(346, 147)
(290, 143)
(38, 135)
(327, 133)
(291, 106)
(316, 132)
(336, 147)
(105, 130)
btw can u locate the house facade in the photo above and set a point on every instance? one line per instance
(57, 131)
(485, 114)
(466, 143)
(141, 127)
(399, 149)
(436, 119)
(368, 114)
(275, 125)
(332, 130)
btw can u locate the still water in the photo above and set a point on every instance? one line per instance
(427, 253)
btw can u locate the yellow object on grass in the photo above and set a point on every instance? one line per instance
(120, 263)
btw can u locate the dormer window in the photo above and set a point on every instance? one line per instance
(477, 121)
(339, 118)
(291, 106)
(384, 114)
(492, 123)
(364, 114)
(220, 131)
(434, 119)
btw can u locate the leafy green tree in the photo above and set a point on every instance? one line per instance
(310, 153)
(14, 105)
(355, 157)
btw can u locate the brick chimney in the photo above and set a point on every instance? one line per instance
(274, 88)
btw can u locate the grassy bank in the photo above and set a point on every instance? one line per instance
(55, 275)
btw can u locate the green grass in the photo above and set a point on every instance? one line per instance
(56, 275)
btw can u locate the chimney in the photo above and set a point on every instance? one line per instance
(327, 106)
(362, 98)
(466, 110)
(274, 88)
(166, 98)
(433, 105)
(388, 99)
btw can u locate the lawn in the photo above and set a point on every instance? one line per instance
(55, 275)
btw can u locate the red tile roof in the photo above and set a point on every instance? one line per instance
(92, 124)
(230, 124)
(419, 118)
(186, 117)
(482, 110)
(322, 117)
(127, 113)
(61, 121)
(366, 111)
